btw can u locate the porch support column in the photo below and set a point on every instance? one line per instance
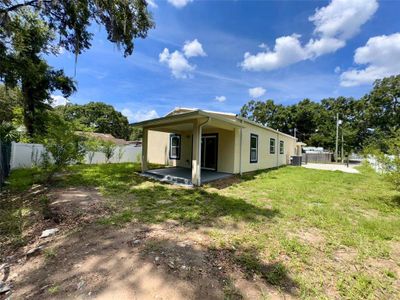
(196, 155)
(144, 149)
(237, 169)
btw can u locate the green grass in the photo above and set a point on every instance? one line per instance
(287, 225)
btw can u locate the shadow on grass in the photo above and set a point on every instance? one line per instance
(237, 179)
(396, 200)
(274, 273)
(159, 203)
(100, 251)
(104, 262)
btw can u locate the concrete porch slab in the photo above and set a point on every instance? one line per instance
(183, 176)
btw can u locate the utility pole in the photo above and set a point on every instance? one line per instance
(337, 137)
(295, 131)
(341, 152)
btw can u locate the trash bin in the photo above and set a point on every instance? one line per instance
(296, 160)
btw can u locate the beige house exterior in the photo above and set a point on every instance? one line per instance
(206, 140)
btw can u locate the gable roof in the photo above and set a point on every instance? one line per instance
(188, 113)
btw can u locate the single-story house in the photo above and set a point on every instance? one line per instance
(201, 145)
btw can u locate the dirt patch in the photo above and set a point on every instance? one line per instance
(345, 255)
(311, 236)
(225, 182)
(76, 205)
(165, 261)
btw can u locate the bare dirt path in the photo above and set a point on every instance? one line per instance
(87, 260)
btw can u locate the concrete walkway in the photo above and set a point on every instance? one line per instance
(332, 167)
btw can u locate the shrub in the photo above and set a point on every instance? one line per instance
(389, 160)
(91, 145)
(108, 148)
(64, 146)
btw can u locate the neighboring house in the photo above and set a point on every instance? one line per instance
(106, 137)
(205, 141)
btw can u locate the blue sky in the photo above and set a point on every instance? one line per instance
(295, 50)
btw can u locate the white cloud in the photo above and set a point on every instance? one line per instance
(256, 92)
(152, 3)
(337, 70)
(193, 48)
(220, 98)
(140, 115)
(263, 46)
(58, 100)
(287, 50)
(343, 18)
(318, 47)
(381, 55)
(179, 3)
(334, 24)
(178, 64)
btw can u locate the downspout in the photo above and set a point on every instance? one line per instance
(277, 149)
(240, 150)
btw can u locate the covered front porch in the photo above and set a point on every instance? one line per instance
(183, 176)
(196, 147)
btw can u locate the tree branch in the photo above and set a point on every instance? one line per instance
(17, 6)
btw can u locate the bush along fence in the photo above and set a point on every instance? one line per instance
(31, 155)
(5, 157)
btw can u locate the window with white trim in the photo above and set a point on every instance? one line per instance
(175, 146)
(271, 146)
(253, 148)
(281, 147)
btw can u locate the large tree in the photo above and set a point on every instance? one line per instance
(124, 20)
(31, 28)
(97, 117)
(23, 66)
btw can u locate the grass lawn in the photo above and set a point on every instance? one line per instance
(324, 234)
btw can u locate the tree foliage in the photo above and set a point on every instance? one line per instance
(97, 117)
(124, 20)
(63, 144)
(33, 28)
(22, 66)
(371, 119)
(10, 101)
(108, 148)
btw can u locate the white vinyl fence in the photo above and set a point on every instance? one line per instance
(30, 155)
(376, 165)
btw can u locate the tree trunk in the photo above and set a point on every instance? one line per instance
(29, 109)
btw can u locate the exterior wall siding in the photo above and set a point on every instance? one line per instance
(157, 150)
(265, 160)
(228, 149)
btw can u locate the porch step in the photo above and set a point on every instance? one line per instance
(169, 178)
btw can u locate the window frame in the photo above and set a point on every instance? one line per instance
(179, 147)
(252, 135)
(272, 150)
(281, 147)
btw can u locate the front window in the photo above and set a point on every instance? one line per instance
(253, 148)
(272, 146)
(175, 146)
(282, 147)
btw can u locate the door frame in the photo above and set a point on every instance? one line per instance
(216, 150)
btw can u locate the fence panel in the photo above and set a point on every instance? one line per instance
(30, 155)
(319, 158)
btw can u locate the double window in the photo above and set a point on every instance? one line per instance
(271, 146)
(175, 146)
(281, 147)
(253, 148)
